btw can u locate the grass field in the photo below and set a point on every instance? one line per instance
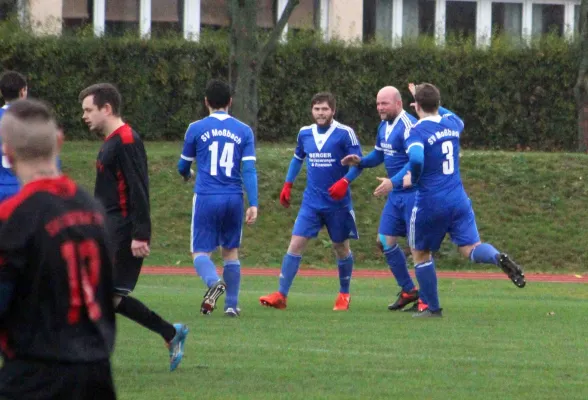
(531, 205)
(495, 342)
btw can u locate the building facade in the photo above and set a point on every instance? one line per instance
(390, 21)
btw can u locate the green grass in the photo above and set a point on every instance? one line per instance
(531, 205)
(494, 342)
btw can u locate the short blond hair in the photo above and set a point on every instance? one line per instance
(30, 130)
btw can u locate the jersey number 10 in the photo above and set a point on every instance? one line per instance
(226, 158)
(448, 165)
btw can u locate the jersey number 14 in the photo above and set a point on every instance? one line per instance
(226, 158)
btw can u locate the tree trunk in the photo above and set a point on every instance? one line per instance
(247, 56)
(243, 68)
(581, 87)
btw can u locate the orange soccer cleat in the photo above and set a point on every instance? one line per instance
(342, 302)
(275, 300)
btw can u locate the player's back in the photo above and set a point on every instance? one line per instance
(439, 136)
(53, 236)
(219, 143)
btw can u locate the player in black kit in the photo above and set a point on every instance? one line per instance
(57, 321)
(122, 185)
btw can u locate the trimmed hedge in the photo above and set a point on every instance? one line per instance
(508, 97)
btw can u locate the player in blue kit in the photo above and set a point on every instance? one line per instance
(442, 205)
(224, 150)
(395, 218)
(13, 86)
(326, 200)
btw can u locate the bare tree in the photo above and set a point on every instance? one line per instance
(248, 54)
(581, 88)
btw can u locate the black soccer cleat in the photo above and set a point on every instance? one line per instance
(404, 299)
(512, 269)
(211, 296)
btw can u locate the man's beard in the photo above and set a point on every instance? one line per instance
(326, 124)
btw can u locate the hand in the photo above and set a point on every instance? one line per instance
(339, 189)
(285, 194)
(407, 180)
(140, 248)
(351, 160)
(412, 88)
(190, 177)
(384, 188)
(251, 215)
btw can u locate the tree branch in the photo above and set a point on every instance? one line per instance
(270, 43)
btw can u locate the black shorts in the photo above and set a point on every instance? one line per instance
(127, 269)
(36, 380)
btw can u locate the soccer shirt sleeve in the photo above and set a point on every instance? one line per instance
(352, 143)
(299, 152)
(249, 172)
(415, 147)
(188, 154)
(133, 163)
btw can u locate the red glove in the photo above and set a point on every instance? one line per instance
(339, 189)
(285, 195)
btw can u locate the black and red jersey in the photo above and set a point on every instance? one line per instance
(122, 184)
(53, 251)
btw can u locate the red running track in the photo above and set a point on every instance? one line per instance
(363, 273)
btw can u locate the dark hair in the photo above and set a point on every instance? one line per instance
(31, 110)
(104, 93)
(428, 97)
(324, 97)
(11, 83)
(218, 94)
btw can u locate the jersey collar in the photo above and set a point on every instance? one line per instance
(390, 126)
(220, 115)
(321, 138)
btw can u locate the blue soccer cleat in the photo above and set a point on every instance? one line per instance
(176, 346)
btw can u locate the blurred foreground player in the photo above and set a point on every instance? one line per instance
(57, 323)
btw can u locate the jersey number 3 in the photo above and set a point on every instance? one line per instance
(226, 158)
(83, 268)
(448, 165)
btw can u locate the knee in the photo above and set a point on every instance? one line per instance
(342, 250)
(386, 243)
(297, 245)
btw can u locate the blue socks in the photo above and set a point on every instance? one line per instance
(290, 266)
(484, 254)
(206, 270)
(345, 267)
(397, 263)
(427, 278)
(232, 278)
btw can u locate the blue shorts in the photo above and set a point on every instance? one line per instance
(340, 224)
(395, 217)
(432, 220)
(217, 220)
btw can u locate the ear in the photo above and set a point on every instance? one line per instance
(206, 102)
(230, 102)
(108, 108)
(9, 154)
(60, 139)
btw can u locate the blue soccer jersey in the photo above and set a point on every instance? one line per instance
(218, 144)
(9, 184)
(390, 141)
(439, 137)
(323, 153)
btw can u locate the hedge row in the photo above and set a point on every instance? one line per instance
(509, 97)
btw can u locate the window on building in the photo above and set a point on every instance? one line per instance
(122, 17)
(548, 18)
(507, 19)
(460, 19)
(426, 17)
(166, 17)
(418, 18)
(76, 14)
(8, 8)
